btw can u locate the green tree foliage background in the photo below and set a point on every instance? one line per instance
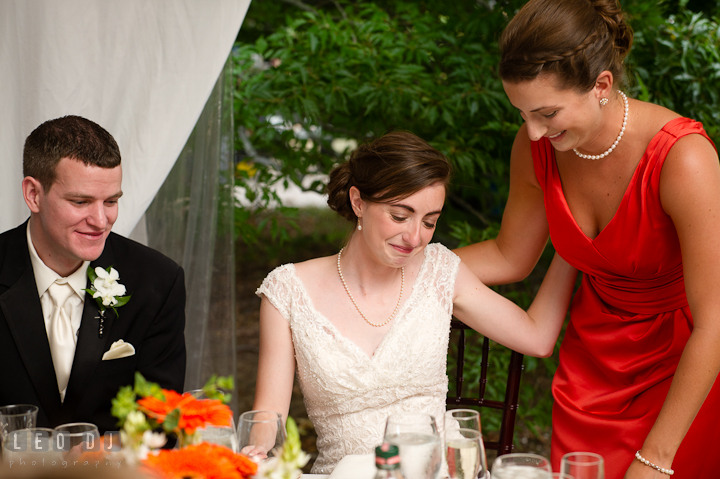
(313, 74)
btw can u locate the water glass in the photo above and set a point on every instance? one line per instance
(77, 437)
(15, 417)
(521, 466)
(583, 465)
(35, 445)
(260, 433)
(416, 436)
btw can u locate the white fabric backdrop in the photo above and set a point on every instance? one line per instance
(142, 69)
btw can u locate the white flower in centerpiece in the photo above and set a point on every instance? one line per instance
(154, 440)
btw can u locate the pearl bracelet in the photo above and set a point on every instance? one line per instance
(669, 472)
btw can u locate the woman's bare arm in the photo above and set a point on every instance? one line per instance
(533, 332)
(524, 229)
(690, 194)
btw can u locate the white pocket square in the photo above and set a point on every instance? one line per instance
(119, 349)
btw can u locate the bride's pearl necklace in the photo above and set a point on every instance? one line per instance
(397, 306)
(617, 140)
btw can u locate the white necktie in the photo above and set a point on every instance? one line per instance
(62, 342)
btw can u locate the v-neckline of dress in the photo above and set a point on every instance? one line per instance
(353, 345)
(628, 190)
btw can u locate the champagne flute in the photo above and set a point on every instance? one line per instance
(463, 453)
(260, 433)
(583, 465)
(416, 436)
(521, 466)
(462, 418)
(466, 419)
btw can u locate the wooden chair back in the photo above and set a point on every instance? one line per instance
(508, 406)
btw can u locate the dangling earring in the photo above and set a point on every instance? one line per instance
(359, 227)
(604, 101)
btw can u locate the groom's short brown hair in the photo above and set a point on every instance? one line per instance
(71, 137)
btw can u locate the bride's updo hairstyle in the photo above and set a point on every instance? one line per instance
(390, 168)
(574, 39)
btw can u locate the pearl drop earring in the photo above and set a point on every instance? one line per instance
(359, 227)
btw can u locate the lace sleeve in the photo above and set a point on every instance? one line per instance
(276, 288)
(446, 266)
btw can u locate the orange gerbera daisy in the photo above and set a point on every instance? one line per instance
(194, 413)
(201, 461)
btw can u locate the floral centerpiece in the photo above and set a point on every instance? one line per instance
(147, 413)
(290, 459)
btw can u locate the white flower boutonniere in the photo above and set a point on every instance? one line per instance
(106, 291)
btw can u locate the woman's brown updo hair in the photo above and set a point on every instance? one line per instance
(574, 39)
(392, 167)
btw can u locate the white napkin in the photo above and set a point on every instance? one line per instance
(355, 466)
(119, 349)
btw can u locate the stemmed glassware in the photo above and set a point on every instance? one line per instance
(260, 433)
(521, 466)
(223, 435)
(583, 465)
(464, 448)
(417, 437)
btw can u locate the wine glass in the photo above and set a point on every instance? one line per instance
(583, 465)
(521, 466)
(466, 419)
(416, 436)
(80, 436)
(260, 433)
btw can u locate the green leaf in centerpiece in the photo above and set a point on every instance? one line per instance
(123, 404)
(144, 388)
(171, 421)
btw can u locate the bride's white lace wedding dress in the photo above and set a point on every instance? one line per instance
(349, 395)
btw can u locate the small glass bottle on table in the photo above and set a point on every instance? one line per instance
(387, 461)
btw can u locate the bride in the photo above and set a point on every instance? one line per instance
(367, 329)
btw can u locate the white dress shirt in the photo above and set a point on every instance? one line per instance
(44, 277)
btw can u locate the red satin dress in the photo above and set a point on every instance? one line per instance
(629, 323)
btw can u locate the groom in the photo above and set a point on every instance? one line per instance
(58, 350)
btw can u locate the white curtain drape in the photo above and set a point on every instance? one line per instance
(154, 74)
(191, 220)
(143, 69)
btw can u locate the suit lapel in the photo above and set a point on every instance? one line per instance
(22, 310)
(90, 347)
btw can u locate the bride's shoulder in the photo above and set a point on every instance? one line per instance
(439, 252)
(316, 270)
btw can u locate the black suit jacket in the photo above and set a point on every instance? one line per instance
(153, 321)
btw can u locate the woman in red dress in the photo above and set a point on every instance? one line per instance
(629, 193)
